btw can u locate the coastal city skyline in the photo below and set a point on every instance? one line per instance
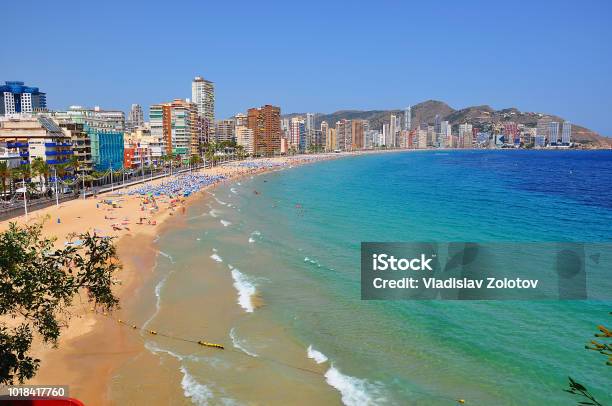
(392, 55)
(102, 139)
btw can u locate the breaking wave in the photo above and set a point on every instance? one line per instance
(353, 391)
(246, 289)
(317, 356)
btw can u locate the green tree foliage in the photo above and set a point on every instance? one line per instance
(579, 390)
(603, 346)
(37, 286)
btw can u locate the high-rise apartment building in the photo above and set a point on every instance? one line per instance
(445, 136)
(81, 144)
(344, 135)
(553, 133)
(244, 137)
(135, 118)
(241, 120)
(15, 97)
(310, 121)
(203, 95)
(391, 135)
(325, 135)
(437, 124)
(543, 127)
(225, 130)
(297, 134)
(265, 123)
(566, 135)
(359, 127)
(510, 132)
(421, 142)
(330, 139)
(465, 135)
(408, 118)
(177, 127)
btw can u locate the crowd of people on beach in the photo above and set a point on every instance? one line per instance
(184, 185)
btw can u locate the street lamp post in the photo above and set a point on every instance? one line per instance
(56, 195)
(25, 200)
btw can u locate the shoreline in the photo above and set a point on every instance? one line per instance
(73, 361)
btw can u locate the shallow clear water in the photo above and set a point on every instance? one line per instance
(295, 242)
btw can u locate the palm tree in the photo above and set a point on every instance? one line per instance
(23, 173)
(74, 165)
(94, 176)
(5, 174)
(195, 159)
(15, 175)
(240, 151)
(41, 168)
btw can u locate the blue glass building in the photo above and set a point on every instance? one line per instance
(15, 97)
(106, 149)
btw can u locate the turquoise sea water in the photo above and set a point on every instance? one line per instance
(296, 241)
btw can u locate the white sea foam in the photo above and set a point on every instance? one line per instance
(199, 394)
(213, 213)
(216, 256)
(238, 183)
(312, 261)
(168, 256)
(226, 223)
(353, 391)
(317, 356)
(158, 289)
(246, 289)
(221, 202)
(253, 235)
(234, 191)
(239, 343)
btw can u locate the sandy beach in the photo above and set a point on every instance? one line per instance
(92, 345)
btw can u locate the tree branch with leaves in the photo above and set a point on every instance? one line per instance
(38, 283)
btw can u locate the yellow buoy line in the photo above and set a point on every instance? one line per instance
(222, 347)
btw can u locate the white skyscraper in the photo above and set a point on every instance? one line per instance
(566, 136)
(553, 132)
(391, 137)
(203, 95)
(310, 118)
(408, 118)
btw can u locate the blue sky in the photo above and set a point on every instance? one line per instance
(322, 56)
